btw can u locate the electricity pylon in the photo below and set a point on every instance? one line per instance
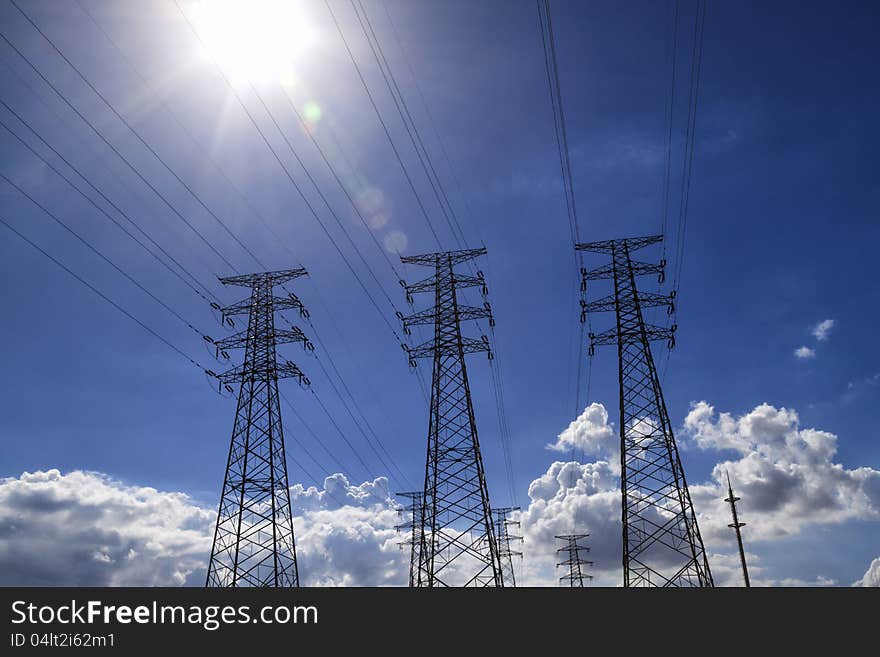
(662, 545)
(253, 539)
(459, 546)
(574, 560)
(502, 530)
(736, 525)
(413, 525)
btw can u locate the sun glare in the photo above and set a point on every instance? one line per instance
(254, 40)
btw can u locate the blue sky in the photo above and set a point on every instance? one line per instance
(780, 229)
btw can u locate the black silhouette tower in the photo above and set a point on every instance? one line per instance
(574, 553)
(253, 539)
(736, 525)
(662, 545)
(458, 542)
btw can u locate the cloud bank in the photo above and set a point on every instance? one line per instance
(87, 529)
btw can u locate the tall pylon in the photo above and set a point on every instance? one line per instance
(459, 546)
(736, 525)
(253, 540)
(503, 523)
(662, 545)
(574, 560)
(412, 511)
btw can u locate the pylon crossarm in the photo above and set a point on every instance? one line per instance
(606, 272)
(452, 257)
(271, 278)
(239, 340)
(609, 246)
(647, 299)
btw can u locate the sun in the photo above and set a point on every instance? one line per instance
(254, 40)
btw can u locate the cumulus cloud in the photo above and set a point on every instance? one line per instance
(785, 474)
(871, 576)
(572, 497)
(804, 352)
(87, 529)
(590, 433)
(822, 330)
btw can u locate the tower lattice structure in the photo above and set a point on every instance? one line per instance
(412, 511)
(736, 526)
(574, 553)
(254, 540)
(458, 542)
(506, 553)
(662, 545)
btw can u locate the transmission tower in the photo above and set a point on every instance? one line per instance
(662, 545)
(505, 552)
(253, 539)
(574, 560)
(736, 525)
(413, 525)
(458, 537)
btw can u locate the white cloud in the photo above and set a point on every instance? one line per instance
(871, 576)
(84, 528)
(590, 433)
(87, 529)
(822, 330)
(785, 475)
(579, 497)
(804, 352)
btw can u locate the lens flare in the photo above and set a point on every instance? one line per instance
(396, 241)
(312, 112)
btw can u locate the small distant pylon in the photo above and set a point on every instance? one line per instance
(735, 525)
(412, 510)
(502, 530)
(574, 560)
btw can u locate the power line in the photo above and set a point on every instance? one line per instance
(228, 181)
(296, 186)
(343, 436)
(98, 207)
(548, 41)
(142, 141)
(116, 151)
(259, 216)
(687, 163)
(670, 105)
(103, 257)
(104, 297)
(342, 186)
(441, 196)
(144, 326)
(322, 196)
(696, 69)
(384, 125)
(433, 123)
(339, 222)
(408, 123)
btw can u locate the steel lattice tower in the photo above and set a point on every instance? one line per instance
(662, 545)
(413, 525)
(505, 551)
(736, 525)
(575, 562)
(458, 537)
(253, 540)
